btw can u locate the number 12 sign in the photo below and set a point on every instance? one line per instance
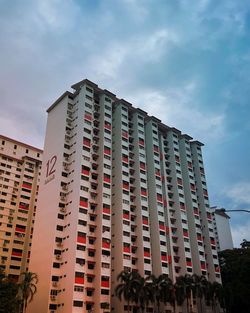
(50, 169)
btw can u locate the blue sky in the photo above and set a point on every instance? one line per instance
(184, 61)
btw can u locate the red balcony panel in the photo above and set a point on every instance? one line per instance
(177, 158)
(165, 203)
(144, 193)
(124, 134)
(125, 159)
(107, 151)
(196, 211)
(212, 241)
(79, 280)
(107, 125)
(146, 254)
(88, 117)
(84, 203)
(162, 226)
(217, 269)
(107, 179)
(106, 245)
(21, 230)
(182, 206)
(126, 216)
(161, 155)
(205, 192)
(185, 233)
(209, 216)
(125, 186)
(167, 230)
(106, 210)
(141, 142)
(157, 172)
(203, 266)
(126, 249)
(24, 206)
(159, 198)
(162, 178)
(164, 258)
(27, 186)
(169, 259)
(145, 221)
(85, 172)
(86, 142)
(192, 186)
(16, 253)
(189, 263)
(142, 166)
(81, 239)
(105, 283)
(199, 237)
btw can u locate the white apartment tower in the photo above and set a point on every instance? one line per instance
(20, 166)
(222, 229)
(119, 190)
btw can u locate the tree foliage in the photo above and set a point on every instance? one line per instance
(8, 294)
(159, 291)
(27, 288)
(235, 272)
(14, 297)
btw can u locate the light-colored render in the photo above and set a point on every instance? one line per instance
(119, 190)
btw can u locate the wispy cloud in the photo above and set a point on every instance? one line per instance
(239, 193)
(178, 107)
(240, 232)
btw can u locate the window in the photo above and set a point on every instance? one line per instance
(78, 303)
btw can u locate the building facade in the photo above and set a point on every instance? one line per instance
(119, 190)
(20, 166)
(222, 229)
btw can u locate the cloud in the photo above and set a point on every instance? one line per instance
(239, 193)
(177, 107)
(240, 232)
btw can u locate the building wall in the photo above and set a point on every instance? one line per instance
(125, 192)
(222, 230)
(19, 182)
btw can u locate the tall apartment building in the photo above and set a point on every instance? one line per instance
(20, 166)
(119, 190)
(222, 229)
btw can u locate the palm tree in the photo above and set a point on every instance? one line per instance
(180, 290)
(216, 294)
(144, 292)
(155, 290)
(200, 285)
(27, 288)
(166, 289)
(128, 287)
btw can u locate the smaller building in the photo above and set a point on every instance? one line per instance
(222, 229)
(20, 166)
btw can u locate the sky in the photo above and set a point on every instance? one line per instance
(186, 62)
